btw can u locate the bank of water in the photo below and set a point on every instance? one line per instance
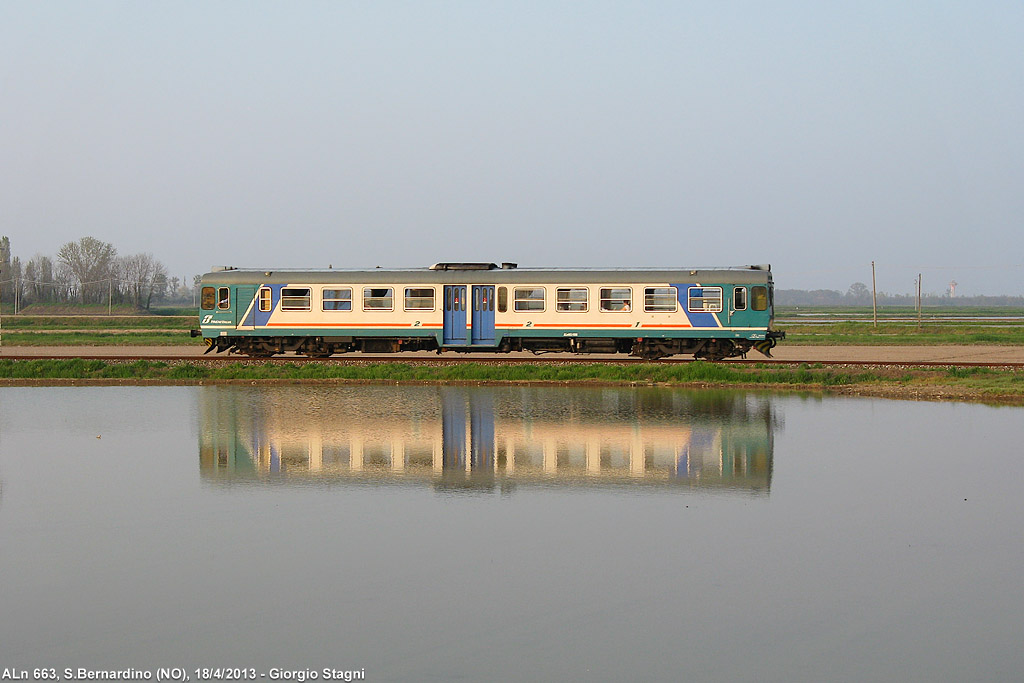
(431, 533)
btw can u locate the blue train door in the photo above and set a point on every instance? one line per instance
(483, 314)
(455, 314)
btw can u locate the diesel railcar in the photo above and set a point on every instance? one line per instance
(465, 307)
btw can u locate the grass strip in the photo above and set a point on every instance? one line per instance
(141, 338)
(981, 383)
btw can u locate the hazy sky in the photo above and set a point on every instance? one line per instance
(814, 136)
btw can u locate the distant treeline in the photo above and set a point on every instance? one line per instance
(88, 271)
(861, 296)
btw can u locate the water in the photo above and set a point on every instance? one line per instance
(433, 533)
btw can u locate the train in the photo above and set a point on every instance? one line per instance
(711, 314)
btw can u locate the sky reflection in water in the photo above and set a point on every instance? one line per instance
(427, 533)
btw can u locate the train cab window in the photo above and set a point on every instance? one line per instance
(378, 299)
(419, 298)
(337, 299)
(265, 299)
(660, 299)
(571, 299)
(224, 298)
(295, 299)
(502, 299)
(209, 298)
(528, 298)
(706, 299)
(739, 299)
(616, 299)
(759, 298)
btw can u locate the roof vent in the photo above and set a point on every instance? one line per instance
(464, 266)
(509, 266)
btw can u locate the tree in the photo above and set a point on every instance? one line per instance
(157, 284)
(859, 293)
(137, 273)
(17, 286)
(5, 269)
(90, 262)
(144, 278)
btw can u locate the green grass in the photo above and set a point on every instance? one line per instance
(898, 311)
(978, 382)
(30, 323)
(907, 334)
(140, 338)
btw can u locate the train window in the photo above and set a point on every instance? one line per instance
(224, 298)
(419, 298)
(707, 299)
(571, 299)
(739, 299)
(209, 298)
(295, 299)
(378, 299)
(502, 299)
(759, 298)
(660, 299)
(337, 299)
(528, 298)
(616, 299)
(265, 299)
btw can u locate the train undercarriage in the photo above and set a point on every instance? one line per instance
(645, 348)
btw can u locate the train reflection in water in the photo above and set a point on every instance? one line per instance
(487, 437)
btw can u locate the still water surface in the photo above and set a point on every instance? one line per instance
(431, 533)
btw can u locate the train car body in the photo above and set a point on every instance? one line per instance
(466, 307)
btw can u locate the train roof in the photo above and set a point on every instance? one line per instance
(461, 273)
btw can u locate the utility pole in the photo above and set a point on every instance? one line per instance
(919, 301)
(874, 296)
(110, 294)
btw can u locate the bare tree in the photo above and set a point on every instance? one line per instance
(137, 273)
(157, 284)
(39, 279)
(5, 269)
(144, 278)
(89, 261)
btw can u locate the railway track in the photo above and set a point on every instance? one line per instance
(451, 358)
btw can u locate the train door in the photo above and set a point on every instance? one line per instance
(243, 305)
(455, 314)
(483, 315)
